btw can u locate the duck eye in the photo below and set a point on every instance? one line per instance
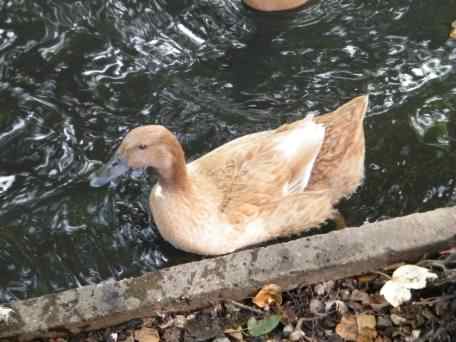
(142, 147)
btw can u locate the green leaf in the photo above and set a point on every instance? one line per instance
(263, 326)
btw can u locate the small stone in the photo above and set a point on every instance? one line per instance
(287, 330)
(171, 335)
(345, 294)
(316, 306)
(179, 321)
(113, 337)
(324, 288)
(383, 322)
(221, 339)
(297, 335)
(360, 296)
(416, 333)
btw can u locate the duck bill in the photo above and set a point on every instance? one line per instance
(113, 169)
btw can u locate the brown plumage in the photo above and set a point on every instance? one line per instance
(253, 189)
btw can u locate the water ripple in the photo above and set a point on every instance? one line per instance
(76, 76)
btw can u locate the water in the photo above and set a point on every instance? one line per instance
(76, 76)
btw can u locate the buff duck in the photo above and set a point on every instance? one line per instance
(253, 189)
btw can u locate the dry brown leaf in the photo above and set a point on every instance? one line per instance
(147, 335)
(366, 328)
(366, 321)
(270, 294)
(359, 328)
(347, 328)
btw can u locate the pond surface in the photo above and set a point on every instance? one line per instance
(75, 76)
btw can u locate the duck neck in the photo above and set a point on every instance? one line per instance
(173, 177)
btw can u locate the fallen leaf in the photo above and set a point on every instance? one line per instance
(395, 294)
(366, 328)
(347, 328)
(263, 326)
(359, 328)
(397, 290)
(147, 335)
(412, 277)
(270, 294)
(366, 321)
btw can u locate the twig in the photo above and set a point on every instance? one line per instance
(382, 274)
(316, 318)
(246, 307)
(433, 300)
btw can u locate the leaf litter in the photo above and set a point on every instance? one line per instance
(350, 309)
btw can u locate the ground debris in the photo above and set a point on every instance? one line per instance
(350, 309)
(269, 295)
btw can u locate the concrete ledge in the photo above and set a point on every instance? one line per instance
(189, 286)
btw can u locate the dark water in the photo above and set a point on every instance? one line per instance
(75, 76)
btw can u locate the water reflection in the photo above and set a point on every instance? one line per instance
(76, 76)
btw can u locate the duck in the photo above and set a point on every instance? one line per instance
(253, 189)
(275, 5)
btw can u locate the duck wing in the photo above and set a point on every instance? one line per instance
(340, 163)
(252, 174)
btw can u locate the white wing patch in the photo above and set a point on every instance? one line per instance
(305, 138)
(158, 191)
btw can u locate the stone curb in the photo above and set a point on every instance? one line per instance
(303, 261)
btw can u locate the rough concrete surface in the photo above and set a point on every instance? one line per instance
(303, 261)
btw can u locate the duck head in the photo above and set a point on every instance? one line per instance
(151, 146)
